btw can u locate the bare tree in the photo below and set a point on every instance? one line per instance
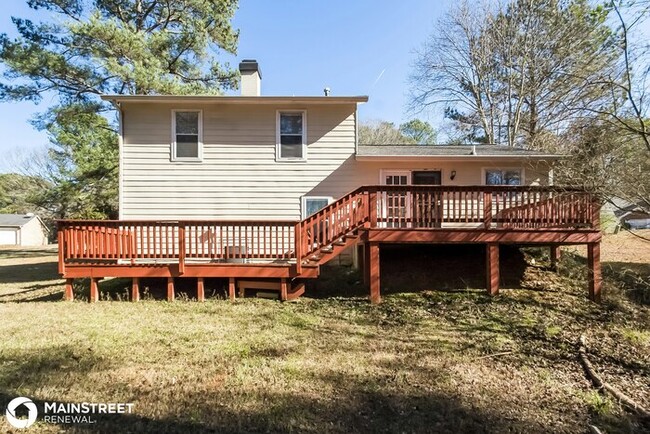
(627, 83)
(512, 70)
(454, 69)
(603, 160)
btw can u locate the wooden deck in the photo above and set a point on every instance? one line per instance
(291, 251)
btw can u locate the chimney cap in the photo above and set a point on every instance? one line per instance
(250, 65)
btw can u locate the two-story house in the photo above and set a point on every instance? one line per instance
(262, 190)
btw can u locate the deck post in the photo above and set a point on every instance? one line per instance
(231, 288)
(492, 268)
(69, 293)
(595, 215)
(555, 254)
(374, 273)
(135, 289)
(94, 289)
(487, 209)
(284, 290)
(372, 208)
(170, 289)
(366, 263)
(298, 247)
(595, 276)
(181, 248)
(61, 246)
(200, 289)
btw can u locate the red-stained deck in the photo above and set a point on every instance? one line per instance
(373, 215)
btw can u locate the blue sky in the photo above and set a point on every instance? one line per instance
(360, 47)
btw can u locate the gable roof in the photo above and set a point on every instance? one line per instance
(17, 220)
(371, 152)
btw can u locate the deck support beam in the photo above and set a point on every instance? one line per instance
(231, 288)
(284, 289)
(366, 263)
(94, 289)
(69, 293)
(170, 289)
(374, 273)
(135, 289)
(595, 274)
(492, 276)
(200, 289)
(555, 254)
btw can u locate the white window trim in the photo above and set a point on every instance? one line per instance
(304, 136)
(384, 172)
(522, 173)
(173, 156)
(394, 172)
(303, 203)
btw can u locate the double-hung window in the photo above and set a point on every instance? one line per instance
(503, 176)
(291, 136)
(187, 140)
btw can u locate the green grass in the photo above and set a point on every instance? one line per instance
(422, 361)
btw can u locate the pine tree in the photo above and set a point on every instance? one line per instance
(89, 49)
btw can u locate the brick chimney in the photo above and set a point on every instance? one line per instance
(251, 77)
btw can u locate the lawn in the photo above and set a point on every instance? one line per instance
(437, 355)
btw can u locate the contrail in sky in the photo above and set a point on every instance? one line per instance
(378, 77)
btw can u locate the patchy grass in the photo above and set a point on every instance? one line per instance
(425, 360)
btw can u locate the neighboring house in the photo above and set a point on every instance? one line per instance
(627, 214)
(22, 230)
(252, 186)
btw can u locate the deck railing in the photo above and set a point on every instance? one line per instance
(416, 206)
(396, 207)
(144, 241)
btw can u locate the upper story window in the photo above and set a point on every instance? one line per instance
(291, 136)
(187, 131)
(503, 176)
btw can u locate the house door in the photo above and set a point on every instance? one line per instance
(427, 204)
(396, 210)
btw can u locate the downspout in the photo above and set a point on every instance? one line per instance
(120, 144)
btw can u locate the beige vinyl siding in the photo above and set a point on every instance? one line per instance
(238, 177)
(355, 173)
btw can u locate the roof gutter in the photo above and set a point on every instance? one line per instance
(229, 99)
(456, 157)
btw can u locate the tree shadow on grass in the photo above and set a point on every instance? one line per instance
(26, 252)
(362, 412)
(21, 273)
(367, 404)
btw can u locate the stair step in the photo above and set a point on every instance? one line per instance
(352, 236)
(328, 249)
(339, 243)
(316, 258)
(296, 292)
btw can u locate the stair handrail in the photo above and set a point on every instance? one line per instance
(332, 222)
